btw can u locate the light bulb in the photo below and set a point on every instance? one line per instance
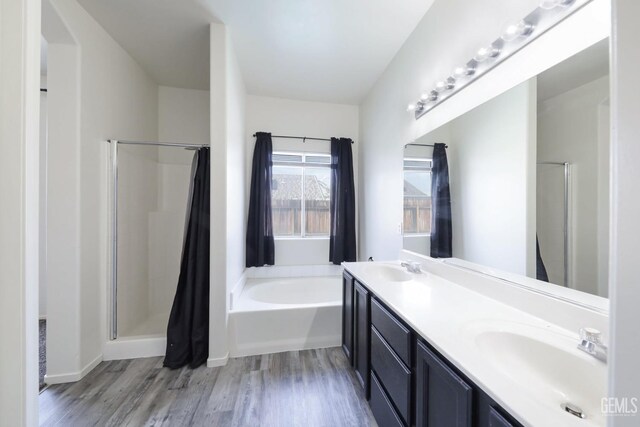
(411, 107)
(424, 96)
(552, 4)
(448, 84)
(463, 71)
(513, 31)
(485, 53)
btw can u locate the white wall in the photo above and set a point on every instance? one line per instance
(218, 347)
(63, 259)
(114, 98)
(422, 61)
(236, 175)
(300, 118)
(183, 115)
(560, 140)
(42, 274)
(19, 109)
(491, 159)
(624, 375)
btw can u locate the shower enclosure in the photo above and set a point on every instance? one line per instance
(150, 191)
(553, 219)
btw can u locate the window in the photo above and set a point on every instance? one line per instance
(417, 196)
(300, 194)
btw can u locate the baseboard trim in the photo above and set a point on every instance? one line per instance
(217, 362)
(72, 377)
(134, 348)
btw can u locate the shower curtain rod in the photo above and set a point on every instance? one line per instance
(162, 144)
(303, 138)
(421, 145)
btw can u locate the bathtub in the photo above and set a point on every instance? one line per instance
(272, 315)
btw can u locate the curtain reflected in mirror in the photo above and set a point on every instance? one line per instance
(529, 178)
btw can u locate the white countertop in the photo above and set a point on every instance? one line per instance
(451, 317)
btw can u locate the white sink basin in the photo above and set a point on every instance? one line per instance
(389, 273)
(550, 366)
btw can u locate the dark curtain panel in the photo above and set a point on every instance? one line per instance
(260, 244)
(440, 204)
(342, 238)
(541, 270)
(188, 329)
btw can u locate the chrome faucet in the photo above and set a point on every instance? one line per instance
(411, 266)
(591, 343)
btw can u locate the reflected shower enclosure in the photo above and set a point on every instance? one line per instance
(150, 194)
(553, 219)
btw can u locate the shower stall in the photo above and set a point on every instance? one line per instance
(553, 219)
(150, 184)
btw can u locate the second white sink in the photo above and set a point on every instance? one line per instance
(550, 364)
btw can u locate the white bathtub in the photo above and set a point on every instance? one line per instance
(284, 314)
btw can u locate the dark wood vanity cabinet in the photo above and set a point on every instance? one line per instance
(361, 337)
(406, 381)
(347, 316)
(443, 399)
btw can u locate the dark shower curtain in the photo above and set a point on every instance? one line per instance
(440, 204)
(188, 329)
(260, 244)
(342, 237)
(541, 270)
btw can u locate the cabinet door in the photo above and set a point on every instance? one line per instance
(362, 336)
(443, 399)
(347, 316)
(496, 419)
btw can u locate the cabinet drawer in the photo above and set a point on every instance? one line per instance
(394, 332)
(392, 373)
(381, 408)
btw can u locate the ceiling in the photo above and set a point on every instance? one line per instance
(317, 50)
(168, 38)
(580, 69)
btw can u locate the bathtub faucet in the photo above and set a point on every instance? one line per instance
(411, 266)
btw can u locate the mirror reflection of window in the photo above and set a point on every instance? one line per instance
(530, 179)
(417, 196)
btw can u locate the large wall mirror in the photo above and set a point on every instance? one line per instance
(529, 178)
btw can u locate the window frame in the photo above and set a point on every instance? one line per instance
(303, 210)
(429, 161)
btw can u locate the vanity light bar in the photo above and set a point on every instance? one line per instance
(513, 38)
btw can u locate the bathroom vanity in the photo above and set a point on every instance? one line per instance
(429, 352)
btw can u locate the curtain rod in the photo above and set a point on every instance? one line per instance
(303, 138)
(422, 145)
(162, 144)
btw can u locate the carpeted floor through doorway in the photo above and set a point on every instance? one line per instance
(43, 351)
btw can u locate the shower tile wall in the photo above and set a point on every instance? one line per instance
(153, 192)
(137, 196)
(166, 231)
